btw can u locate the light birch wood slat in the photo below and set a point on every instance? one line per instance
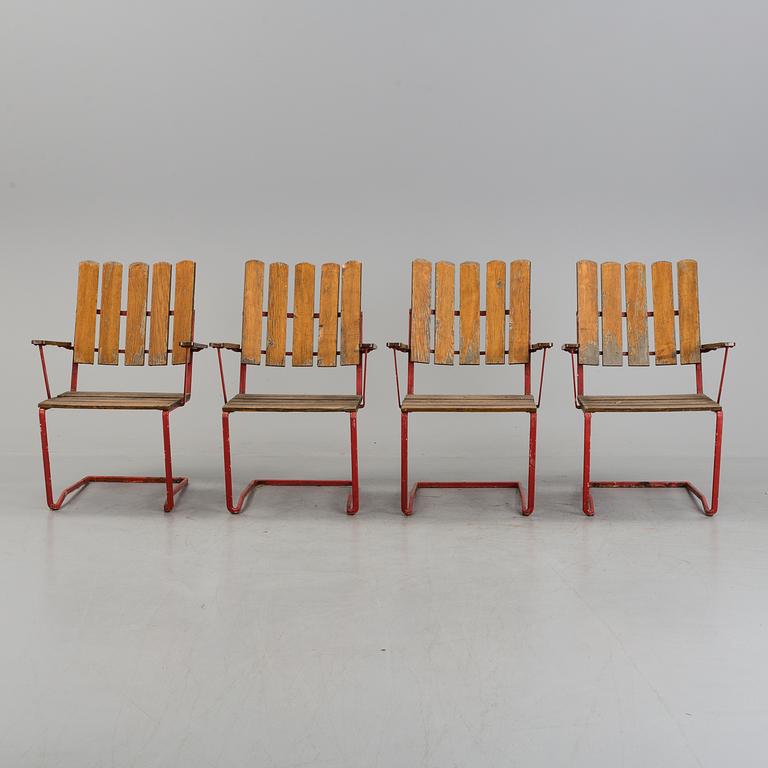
(85, 314)
(161, 305)
(445, 306)
(328, 331)
(351, 312)
(183, 310)
(277, 310)
(253, 307)
(637, 313)
(519, 311)
(688, 306)
(303, 315)
(421, 307)
(136, 314)
(610, 290)
(109, 320)
(469, 313)
(495, 311)
(586, 323)
(664, 342)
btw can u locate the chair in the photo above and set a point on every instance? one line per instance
(600, 333)
(351, 351)
(84, 349)
(419, 350)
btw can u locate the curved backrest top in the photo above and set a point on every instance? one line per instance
(102, 306)
(601, 312)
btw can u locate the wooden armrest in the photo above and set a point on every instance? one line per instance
(539, 345)
(47, 343)
(570, 348)
(717, 345)
(194, 346)
(225, 345)
(365, 348)
(398, 346)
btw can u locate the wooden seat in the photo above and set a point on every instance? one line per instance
(119, 401)
(468, 404)
(646, 403)
(294, 403)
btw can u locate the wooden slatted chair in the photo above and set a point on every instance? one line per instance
(600, 332)
(107, 313)
(502, 311)
(350, 351)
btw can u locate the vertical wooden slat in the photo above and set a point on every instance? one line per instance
(610, 290)
(495, 311)
(85, 314)
(421, 307)
(277, 309)
(183, 310)
(136, 315)
(161, 305)
(469, 313)
(445, 306)
(328, 332)
(253, 306)
(351, 287)
(303, 315)
(664, 341)
(637, 313)
(688, 301)
(109, 320)
(586, 320)
(519, 311)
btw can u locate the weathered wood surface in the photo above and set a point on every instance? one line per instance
(253, 308)
(519, 311)
(109, 319)
(183, 310)
(664, 342)
(328, 330)
(612, 336)
(131, 401)
(468, 403)
(160, 308)
(85, 313)
(495, 311)
(303, 343)
(688, 301)
(587, 318)
(351, 288)
(277, 313)
(292, 403)
(445, 304)
(647, 403)
(637, 313)
(421, 308)
(469, 313)
(136, 314)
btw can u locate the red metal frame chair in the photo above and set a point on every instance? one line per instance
(351, 351)
(419, 350)
(605, 344)
(109, 312)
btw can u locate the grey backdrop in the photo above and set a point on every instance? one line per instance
(384, 132)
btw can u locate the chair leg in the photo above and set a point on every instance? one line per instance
(52, 504)
(586, 496)
(169, 490)
(405, 505)
(353, 502)
(228, 465)
(528, 508)
(716, 465)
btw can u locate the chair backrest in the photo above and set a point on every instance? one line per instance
(499, 305)
(604, 337)
(105, 311)
(303, 347)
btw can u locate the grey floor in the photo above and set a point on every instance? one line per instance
(464, 636)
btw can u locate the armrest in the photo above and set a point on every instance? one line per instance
(539, 345)
(572, 348)
(225, 345)
(194, 346)
(398, 346)
(717, 345)
(366, 348)
(46, 343)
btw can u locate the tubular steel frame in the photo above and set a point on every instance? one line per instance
(408, 496)
(173, 485)
(353, 499)
(588, 504)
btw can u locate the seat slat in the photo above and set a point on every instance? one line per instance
(303, 315)
(328, 331)
(468, 403)
(688, 303)
(421, 307)
(469, 313)
(277, 313)
(159, 322)
(351, 317)
(647, 403)
(85, 314)
(183, 310)
(445, 305)
(136, 315)
(610, 288)
(292, 403)
(586, 325)
(109, 320)
(495, 311)
(637, 314)
(519, 311)
(664, 341)
(253, 306)
(128, 401)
